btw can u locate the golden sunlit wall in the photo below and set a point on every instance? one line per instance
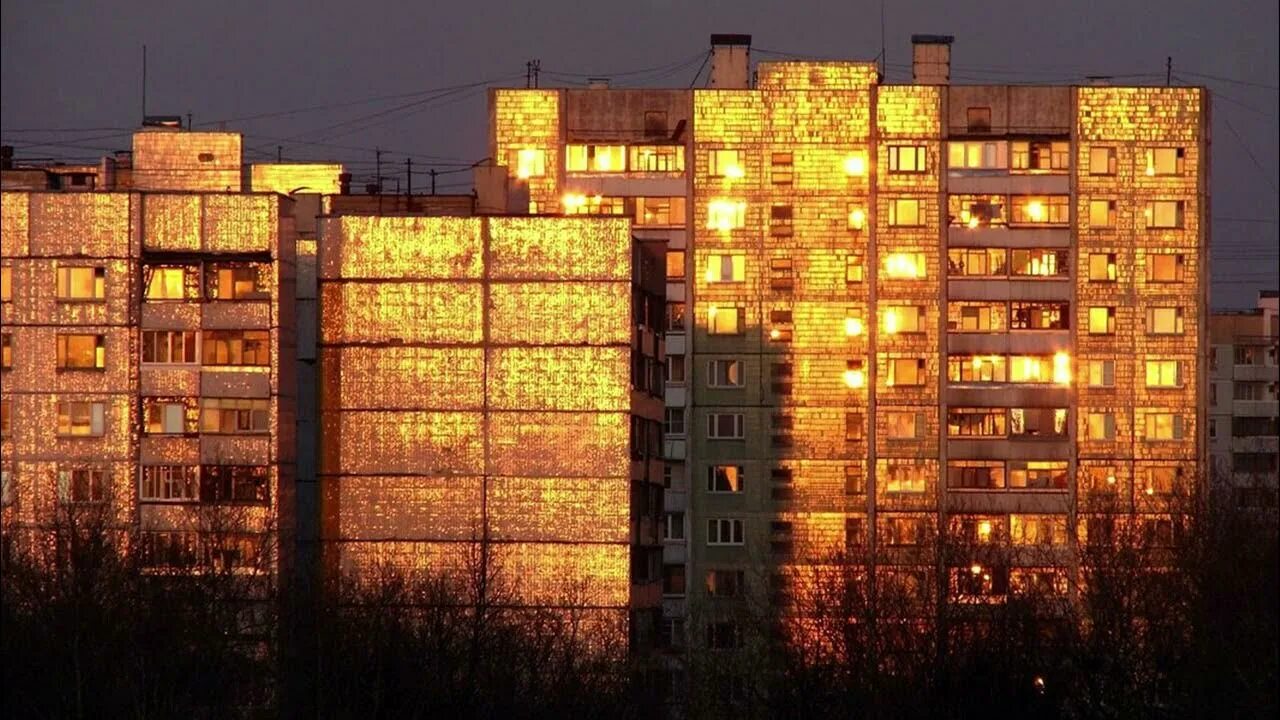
(192, 161)
(526, 138)
(475, 383)
(290, 178)
(1141, 175)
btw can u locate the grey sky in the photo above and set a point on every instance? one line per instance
(72, 64)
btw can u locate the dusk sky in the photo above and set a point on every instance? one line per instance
(75, 67)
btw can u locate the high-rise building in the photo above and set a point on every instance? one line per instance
(900, 313)
(1244, 381)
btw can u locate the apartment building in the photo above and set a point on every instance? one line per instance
(489, 402)
(148, 379)
(1244, 447)
(900, 313)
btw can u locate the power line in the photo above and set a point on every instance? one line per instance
(625, 73)
(1233, 81)
(1265, 175)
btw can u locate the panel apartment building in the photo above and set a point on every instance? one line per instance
(148, 379)
(896, 311)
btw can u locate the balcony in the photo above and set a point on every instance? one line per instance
(1009, 184)
(1058, 289)
(1021, 237)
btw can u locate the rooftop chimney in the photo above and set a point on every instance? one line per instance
(598, 83)
(931, 59)
(730, 61)
(1098, 79)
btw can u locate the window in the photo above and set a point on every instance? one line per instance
(655, 124)
(725, 320)
(724, 426)
(857, 218)
(239, 281)
(905, 372)
(1102, 267)
(82, 419)
(905, 266)
(904, 531)
(905, 212)
(6, 410)
(1165, 161)
(903, 319)
(1164, 321)
(234, 483)
(673, 526)
(595, 158)
(1038, 474)
(1037, 529)
(168, 346)
(907, 158)
(673, 421)
(170, 483)
(1040, 316)
(675, 369)
(855, 426)
(82, 283)
(1039, 263)
(1165, 268)
(724, 479)
(1037, 422)
(724, 531)
(904, 476)
(1102, 213)
(1031, 368)
(975, 474)
(1101, 426)
(725, 164)
(660, 211)
(234, 415)
(975, 317)
(237, 347)
(165, 282)
(169, 416)
(724, 636)
(974, 211)
(977, 368)
(977, 422)
(1040, 156)
(1164, 374)
(782, 171)
(1253, 426)
(780, 217)
(1164, 426)
(781, 275)
(726, 268)
(1099, 480)
(978, 119)
(8, 489)
(724, 373)
(576, 204)
(977, 262)
(1102, 373)
(904, 425)
(82, 485)
(726, 215)
(853, 268)
(1102, 321)
(529, 162)
(1162, 480)
(1041, 210)
(973, 155)
(1102, 160)
(169, 549)
(78, 352)
(6, 283)
(673, 579)
(1166, 214)
(6, 350)
(657, 158)
(675, 317)
(675, 265)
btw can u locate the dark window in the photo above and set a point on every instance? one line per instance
(233, 483)
(655, 123)
(979, 119)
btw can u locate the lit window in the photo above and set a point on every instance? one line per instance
(724, 426)
(725, 164)
(853, 322)
(673, 421)
(1061, 369)
(6, 417)
(973, 155)
(169, 483)
(1037, 422)
(905, 372)
(660, 211)
(907, 158)
(1039, 262)
(1030, 368)
(6, 348)
(854, 375)
(977, 368)
(578, 204)
(1165, 161)
(236, 347)
(1041, 210)
(724, 373)
(855, 164)
(82, 283)
(595, 158)
(1164, 374)
(977, 262)
(675, 317)
(82, 419)
(675, 265)
(977, 422)
(853, 268)
(1038, 474)
(724, 531)
(1102, 160)
(657, 158)
(1102, 373)
(976, 317)
(724, 479)
(82, 485)
(530, 162)
(1040, 156)
(1164, 426)
(1040, 316)
(725, 215)
(166, 283)
(1100, 480)
(6, 283)
(905, 212)
(234, 415)
(1165, 214)
(1162, 480)
(975, 474)
(1101, 426)
(1102, 213)
(780, 321)
(77, 352)
(237, 282)
(169, 346)
(725, 320)
(169, 416)
(857, 217)
(903, 531)
(855, 426)
(1102, 267)
(1042, 530)
(903, 319)
(1165, 268)
(905, 266)
(1102, 320)
(975, 211)
(1164, 321)
(904, 477)
(904, 425)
